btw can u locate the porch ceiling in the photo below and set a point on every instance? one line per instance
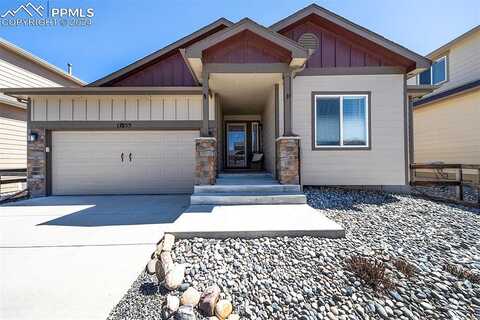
(243, 93)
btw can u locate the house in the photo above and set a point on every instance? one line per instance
(316, 98)
(446, 121)
(19, 68)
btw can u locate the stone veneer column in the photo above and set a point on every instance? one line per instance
(37, 164)
(288, 160)
(205, 160)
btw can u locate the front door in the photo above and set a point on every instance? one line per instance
(236, 145)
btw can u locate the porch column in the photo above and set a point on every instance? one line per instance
(287, 103)
(205, 116)
(205, 161)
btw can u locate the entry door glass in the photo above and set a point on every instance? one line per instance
(236, 145)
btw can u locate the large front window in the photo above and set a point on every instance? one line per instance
(341, 121)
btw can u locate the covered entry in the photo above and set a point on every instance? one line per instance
(120, 162)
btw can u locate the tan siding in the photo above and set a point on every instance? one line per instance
(116, 108)
(384, 164)
(268, 122)
(13, 144)
(449, 130)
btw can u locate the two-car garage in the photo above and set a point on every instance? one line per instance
(122, 162)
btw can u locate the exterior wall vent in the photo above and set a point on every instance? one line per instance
(309, 41)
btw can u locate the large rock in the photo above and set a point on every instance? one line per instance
(174, 277)
(191, 297)
(185, 313)
(164, 265)
(168, 241)
(223, 309)
(172, 303)
(209, 300)
(150, 267)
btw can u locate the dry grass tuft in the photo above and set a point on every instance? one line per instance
(405, 267)
(462, 273)
(372, 271)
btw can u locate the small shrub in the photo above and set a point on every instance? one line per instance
(462, 273)
(372, 271)
(405, 267)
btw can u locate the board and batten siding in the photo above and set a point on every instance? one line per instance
(384, 164)
(448, 130)
(118, 108)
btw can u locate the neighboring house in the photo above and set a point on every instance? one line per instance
(21, 69)
(446, 121)
(223, 96)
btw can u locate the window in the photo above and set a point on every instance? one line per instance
(341, 121)
(436, 74)
(255, 137)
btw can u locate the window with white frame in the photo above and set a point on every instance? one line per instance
(436, 74)
(341, 121)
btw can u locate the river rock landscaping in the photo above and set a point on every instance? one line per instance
(437, 244)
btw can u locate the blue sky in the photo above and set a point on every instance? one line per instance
(124, 31)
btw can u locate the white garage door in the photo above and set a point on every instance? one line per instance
(125, 162)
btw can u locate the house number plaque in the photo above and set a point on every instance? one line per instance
(124, 125)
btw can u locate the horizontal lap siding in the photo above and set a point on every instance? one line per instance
(384, 164)
(449, 130)
(118, 108)
(13, 149)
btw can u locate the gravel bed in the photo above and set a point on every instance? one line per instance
(306, 278)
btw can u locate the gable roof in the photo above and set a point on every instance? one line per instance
(195, 50)
(421, 62)
(173, 46)
(450, 44)
(40, 62)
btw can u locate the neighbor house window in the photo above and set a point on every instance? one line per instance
(341, 121)
(436, 74)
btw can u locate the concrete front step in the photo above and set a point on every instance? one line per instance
(245, 175)
(260, 188)
(244, 198)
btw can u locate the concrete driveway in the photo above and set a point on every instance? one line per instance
(74, 257)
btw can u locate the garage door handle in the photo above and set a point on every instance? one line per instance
(121, 156)
(130, 157)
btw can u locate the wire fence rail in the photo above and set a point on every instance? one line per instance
(8, 177)
(458, 176)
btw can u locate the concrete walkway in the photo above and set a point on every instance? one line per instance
(250, 221)
(75, 257)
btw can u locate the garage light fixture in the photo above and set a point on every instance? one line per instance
(33, 136)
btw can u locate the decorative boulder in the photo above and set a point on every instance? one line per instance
(209, 300)
(174, 277)
(185, 313)
(191, 297)
(164, 266)
(223, 309)
(233, 316)
(168, 241)
(150, 268)
(172, 303)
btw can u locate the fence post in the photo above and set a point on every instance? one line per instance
(460, 184)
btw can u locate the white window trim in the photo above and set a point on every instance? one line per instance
(431, 72)
(341, 145)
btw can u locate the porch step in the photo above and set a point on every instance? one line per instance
(260, 188)
(237, 198)
(245, 175)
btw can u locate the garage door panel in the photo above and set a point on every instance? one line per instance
(90, 162)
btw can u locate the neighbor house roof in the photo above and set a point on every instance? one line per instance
(450, 44)
(157, 54)
(421, 61)
(31, 57)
